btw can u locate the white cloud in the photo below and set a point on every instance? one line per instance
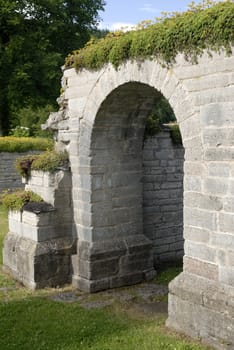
(113, 26)
(149, 8)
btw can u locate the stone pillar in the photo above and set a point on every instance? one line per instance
(38, 248)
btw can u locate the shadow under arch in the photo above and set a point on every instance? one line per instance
(119, 252)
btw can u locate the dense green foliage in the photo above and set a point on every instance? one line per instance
(31, 118)
(17, 199)
(161, 114)
(46, 161)
(175, 133)
(35, 37)
(207, 26)
(24, 144)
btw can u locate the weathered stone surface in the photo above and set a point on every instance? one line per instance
(10, 179)
(101, 123)
(38, 265)
(206, 312)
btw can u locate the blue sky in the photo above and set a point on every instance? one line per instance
(119, 13)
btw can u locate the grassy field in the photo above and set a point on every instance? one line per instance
(33, 320)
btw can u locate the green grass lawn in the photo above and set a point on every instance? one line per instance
(31, 320)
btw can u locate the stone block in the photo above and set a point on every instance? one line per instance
(38, 265)
(137, 243)
(203, 201)
(205, 313)
(201, 268)
(222, 240)
(226, 222)
(228, 204)
(213, 137)
(135, 262)
(196, 234)
(101, 250)
(226, 275)
(219, 169)
(98, 270)
(127, 280)
(192, 183)
(215, 186)
(217, 114)
(200, 251)
(219, 154)
(90, 286)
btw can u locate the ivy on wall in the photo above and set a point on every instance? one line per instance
(209, 25)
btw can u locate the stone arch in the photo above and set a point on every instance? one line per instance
(133, 88)
(201, 96)
(118, 177)
(153, 75)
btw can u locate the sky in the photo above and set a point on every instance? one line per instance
(122, 13)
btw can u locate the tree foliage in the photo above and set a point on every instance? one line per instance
(35, 37)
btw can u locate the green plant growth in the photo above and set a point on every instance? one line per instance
(29, 320)
(24, 144)
(17, 199)
(168, 274)
(163, 114)
(175, 133)
(20, 131)
(29, 120)
(37, 327)
(209, 25)
(46, 161)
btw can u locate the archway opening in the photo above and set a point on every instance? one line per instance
(136, 186)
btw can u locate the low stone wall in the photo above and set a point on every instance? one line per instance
(9, 177)
(38, 248)
(163, 197)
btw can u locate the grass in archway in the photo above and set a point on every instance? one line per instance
(31, 320)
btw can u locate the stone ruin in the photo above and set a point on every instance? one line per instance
(121, 210)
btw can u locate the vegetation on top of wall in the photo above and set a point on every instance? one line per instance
(24, 144)
(46, 161)
(209, 25)
(17, 199)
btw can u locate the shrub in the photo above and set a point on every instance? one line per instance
(24, 144)
(50, 161)
(23, 165)
(46, 161)
(17, 199)
(20, 131)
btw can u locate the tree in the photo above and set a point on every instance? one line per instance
(35, 38)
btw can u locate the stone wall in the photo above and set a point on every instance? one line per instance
(101, 122)
(9, 176)
(163, 197)
(40, 242)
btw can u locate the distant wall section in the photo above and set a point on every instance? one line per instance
(9, 177)
(163, 197)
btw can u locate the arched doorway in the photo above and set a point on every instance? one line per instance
(122, 251)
